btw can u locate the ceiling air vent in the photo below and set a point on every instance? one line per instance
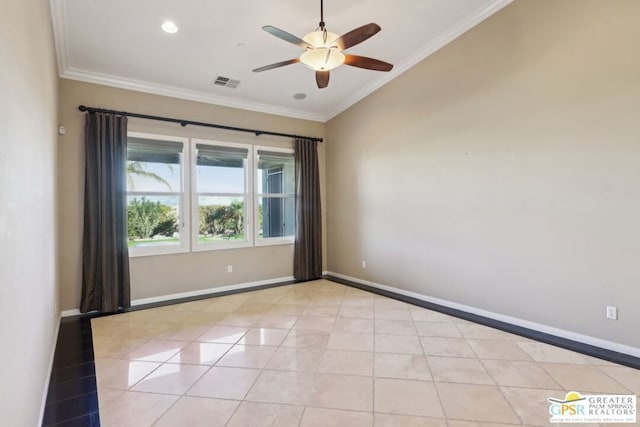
(226, 82)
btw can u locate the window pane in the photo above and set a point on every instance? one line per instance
(220, 219)
(154, 165)
(276, 217)
(153, 220)
(220, 169)
(275, 172)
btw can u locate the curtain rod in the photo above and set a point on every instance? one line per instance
(184, 123)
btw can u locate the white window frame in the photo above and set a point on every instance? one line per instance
(268, 241)
(184, 208)
(196, 246)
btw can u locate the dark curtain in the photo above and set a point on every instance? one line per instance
(105, 258)
(307, 258)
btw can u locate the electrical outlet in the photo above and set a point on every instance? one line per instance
(364, 264)
(612, 312)
(229, 268)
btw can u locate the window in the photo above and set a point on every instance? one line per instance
(221, 199)
(275, 196)
(192, 194)
(156, 210)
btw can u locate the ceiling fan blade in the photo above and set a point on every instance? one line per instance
(368, 63)
(322, 79)
(286, 36)
(358, 35)
(277, 65)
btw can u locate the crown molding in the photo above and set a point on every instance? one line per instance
(190, 95)
(427, 50)
(67, 72)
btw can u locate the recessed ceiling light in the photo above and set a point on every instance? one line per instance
(299, 96)
(169, 27)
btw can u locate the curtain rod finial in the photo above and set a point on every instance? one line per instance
(82, 108)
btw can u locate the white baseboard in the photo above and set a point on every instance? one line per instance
(69, 313)
(209, 291)
(574, 336)
(52, 356)
(200, 292)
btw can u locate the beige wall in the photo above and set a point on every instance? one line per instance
(167, 274)
(28, 296)
(503, 172)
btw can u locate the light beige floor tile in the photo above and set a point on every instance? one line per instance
(397, 344)
(475, 331)
(384, 302)
(203, 318)
(437, 329)
(541, 352)
(344, 324)
(198, 412)
(254, 308)
(264, 336)
(265, 298)
(531, 405)
(407, 397)
(222, 306)
(133, 409)
(314, 323)
(423, 314)
(282, 387)
(306, 338)
(401, 366)
(321, 417)
(519, 374)
(288, 309)
(458, 370)
(350, 341)
(390, 420)
(343, 392)
(321, 310)
(296, 359)
(333, 300)
(628, 377)
(347, 362)
(475, 403)
(583, 378)
(448, 347)
(459, 423)
(225, 383)
(223, 334)
(357, 301)
(356, 312)
(157, 350)
(121, 374)
(392, 313)
(116, 348)
(171, 379)
(498, 349)
(252, 414)
(201, 353)
(278, 321)
(247, 356)
(395, 327)
(182, 332)
(106, 395)
(241, 319)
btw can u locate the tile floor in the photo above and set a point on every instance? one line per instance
(323, 354)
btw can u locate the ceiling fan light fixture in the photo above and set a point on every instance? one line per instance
(321, 38)
(322, 59)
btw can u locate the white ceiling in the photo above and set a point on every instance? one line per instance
(120, 43)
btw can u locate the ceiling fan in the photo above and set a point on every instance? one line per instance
(324, 50)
